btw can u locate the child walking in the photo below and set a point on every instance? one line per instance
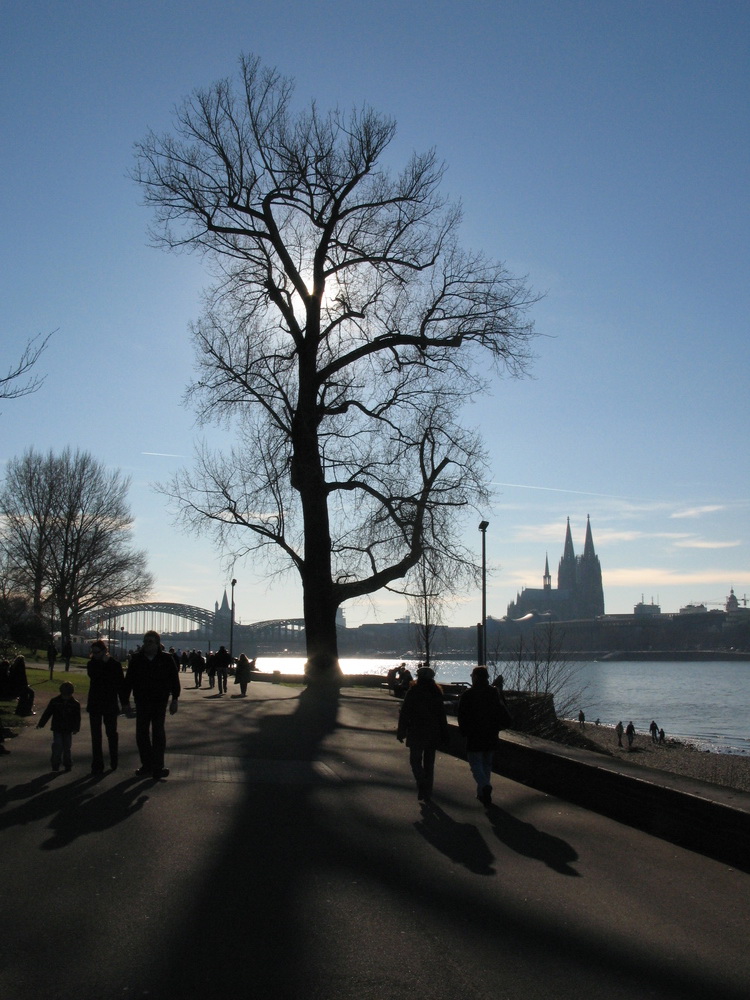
(65, 713)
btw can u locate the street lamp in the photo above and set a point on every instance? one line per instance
(231, 623)
(482, 645)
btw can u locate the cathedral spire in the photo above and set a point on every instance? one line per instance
(566, 571)
(547, 577)
(588, 548)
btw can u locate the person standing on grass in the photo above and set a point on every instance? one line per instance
(481, 715)
(51, 657)
(65, 713)
(103, 704)
(422, 722)
(152, 677)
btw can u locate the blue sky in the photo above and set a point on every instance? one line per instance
(599, 148)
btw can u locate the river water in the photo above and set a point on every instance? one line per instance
(706, 704)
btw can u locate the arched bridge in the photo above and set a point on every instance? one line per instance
(185, 624)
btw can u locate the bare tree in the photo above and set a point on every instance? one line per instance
(537, 665)
(343, 334)
(19, 380)
(66, 532)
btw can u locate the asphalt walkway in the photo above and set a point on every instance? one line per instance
(286, 856)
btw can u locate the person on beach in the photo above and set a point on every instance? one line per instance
(422, 722)
(65, 713)
(103, 704)
(152, 677)
(582, 719)
(654, 730)
(630, 733)
(481, 715)
(619, 731)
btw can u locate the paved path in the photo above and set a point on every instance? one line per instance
(287, 857)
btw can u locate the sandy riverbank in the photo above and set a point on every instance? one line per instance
(730, 770)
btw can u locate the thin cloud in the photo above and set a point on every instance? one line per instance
(655, 577)
(698, 511)
(697, 543)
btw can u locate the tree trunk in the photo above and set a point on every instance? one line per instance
(319, 604)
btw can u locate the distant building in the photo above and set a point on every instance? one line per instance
(579, 592)
(642, 610)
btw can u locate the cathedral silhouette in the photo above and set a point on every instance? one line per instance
(579, 591)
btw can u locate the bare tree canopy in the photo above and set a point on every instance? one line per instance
(344, 332)
(19, 380)
(66, 532)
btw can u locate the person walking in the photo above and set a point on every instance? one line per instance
(222, 659)
(654, 730)
(198, 665)
(103, 704)
(422, 722)
(481, 715)
(244, 673)
(211, 668)
(65, 713)
(619, 733)
(630, 733)
(153, 678)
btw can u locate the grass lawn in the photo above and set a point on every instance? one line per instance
(38, 677)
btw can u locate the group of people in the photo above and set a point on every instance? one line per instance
(657, 734)
(423, 725)
(152, 678)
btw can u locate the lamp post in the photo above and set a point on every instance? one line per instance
(231, 623)
(482, 651)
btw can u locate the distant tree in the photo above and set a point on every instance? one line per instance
(66, 536)
(19, 380)
(429, 587)
(345, 331)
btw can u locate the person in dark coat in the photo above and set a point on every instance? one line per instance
(65, 713)
(103, 704)
(222, 659)
(152, 677)
(481, 714)
(243, 674)
(422, 722)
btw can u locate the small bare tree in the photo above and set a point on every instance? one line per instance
(537, 665)
(66, 532)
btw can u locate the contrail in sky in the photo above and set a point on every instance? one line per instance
(161, 454)
(556, 489)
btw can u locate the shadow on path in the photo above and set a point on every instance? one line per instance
(461, 842)
(526, 839)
